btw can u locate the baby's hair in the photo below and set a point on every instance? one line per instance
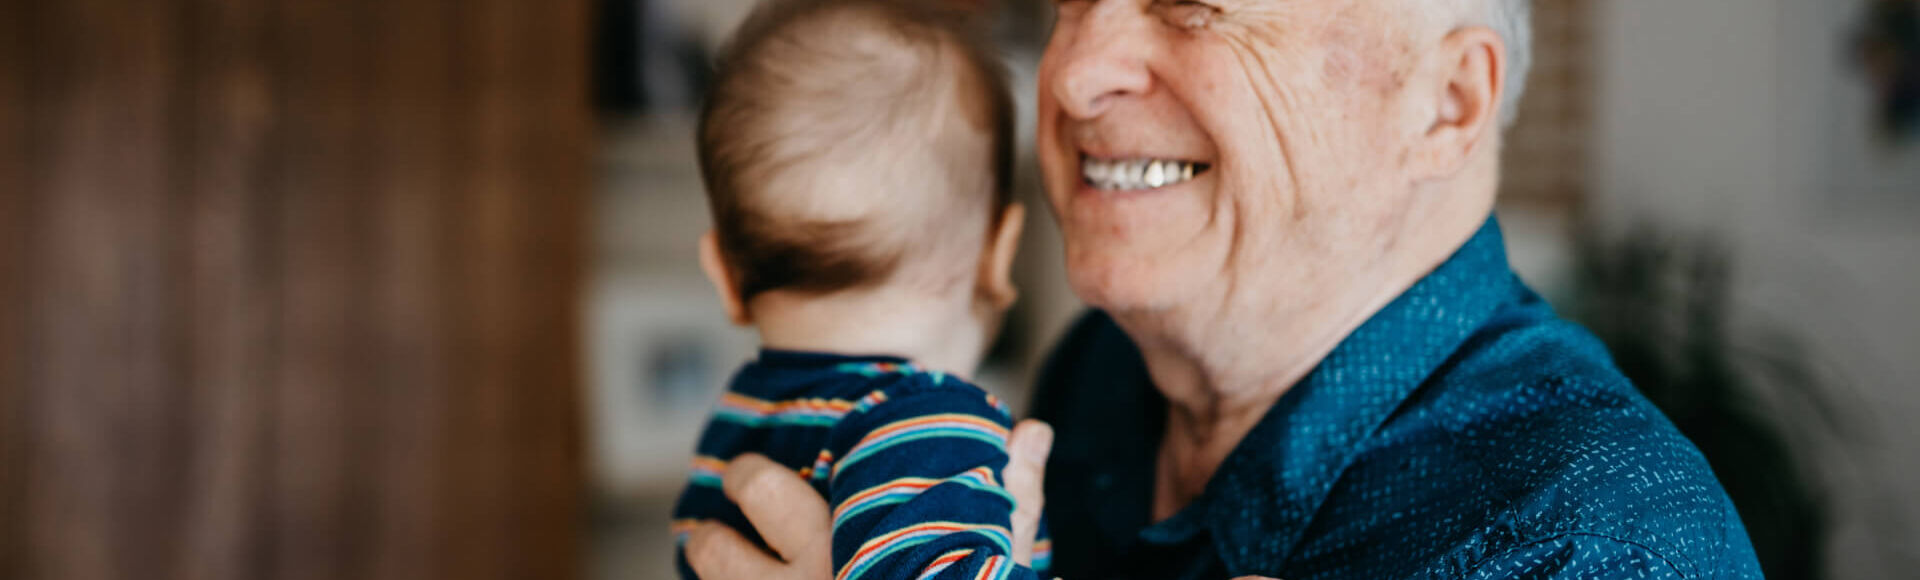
(844, 141)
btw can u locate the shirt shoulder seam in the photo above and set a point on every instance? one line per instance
(915, 386)
(1509, 508)
(1558, 536)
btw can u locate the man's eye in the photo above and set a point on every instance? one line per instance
(1186, 13)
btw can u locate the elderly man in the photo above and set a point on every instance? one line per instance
(1311, 359)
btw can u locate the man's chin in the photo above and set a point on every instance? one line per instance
(1120, 285)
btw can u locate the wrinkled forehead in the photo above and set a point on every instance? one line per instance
(1393, 14)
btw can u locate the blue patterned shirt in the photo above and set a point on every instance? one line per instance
(910, 461)
(1464, 431)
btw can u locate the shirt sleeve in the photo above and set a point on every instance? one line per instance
(1583, 556)
(916, 490)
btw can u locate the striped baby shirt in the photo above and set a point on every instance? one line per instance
(909, 460)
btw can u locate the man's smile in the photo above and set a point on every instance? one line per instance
(1137, 174)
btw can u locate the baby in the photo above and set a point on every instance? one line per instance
(858, 158)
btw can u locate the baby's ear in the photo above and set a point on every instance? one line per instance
(996, 260)
(715, 265)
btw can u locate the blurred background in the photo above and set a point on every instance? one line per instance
(408, 289)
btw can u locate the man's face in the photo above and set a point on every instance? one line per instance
(1292, 115)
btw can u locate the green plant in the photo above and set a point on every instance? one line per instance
(1663, 304)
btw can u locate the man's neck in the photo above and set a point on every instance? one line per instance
(936, 333)
(1221, 376)
(1222, 363)
(1222, 370)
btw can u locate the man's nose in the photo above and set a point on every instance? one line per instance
(1105, 58)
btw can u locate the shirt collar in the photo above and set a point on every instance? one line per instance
(1269, 487)
(800, 358)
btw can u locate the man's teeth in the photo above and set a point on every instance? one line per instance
(1135, 174)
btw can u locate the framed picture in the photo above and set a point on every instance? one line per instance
(660, 353)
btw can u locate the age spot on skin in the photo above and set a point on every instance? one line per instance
(1379, 65)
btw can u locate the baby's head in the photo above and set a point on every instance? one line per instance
(858, 152)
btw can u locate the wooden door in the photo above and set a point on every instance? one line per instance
(290, 288)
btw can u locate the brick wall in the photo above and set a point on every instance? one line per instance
(1547, 150)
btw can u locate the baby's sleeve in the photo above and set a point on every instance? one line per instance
(916, 490)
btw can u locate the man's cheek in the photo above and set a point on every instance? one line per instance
(1285, 78)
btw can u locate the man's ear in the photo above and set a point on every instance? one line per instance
(996, 260)
(1470, 84)
(714, 264)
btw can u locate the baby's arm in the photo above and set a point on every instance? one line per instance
(916, 492)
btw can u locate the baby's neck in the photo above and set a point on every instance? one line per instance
(935, 333)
